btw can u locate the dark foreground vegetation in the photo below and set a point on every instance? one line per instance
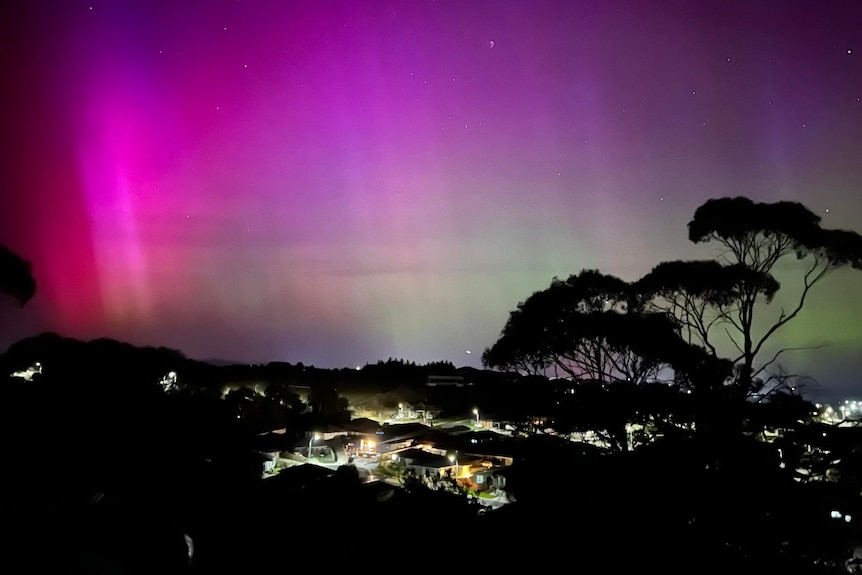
(107, 478)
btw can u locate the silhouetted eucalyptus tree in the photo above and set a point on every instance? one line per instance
(724, 297)
(575, 327)
(585, 328)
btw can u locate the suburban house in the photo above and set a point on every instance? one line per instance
(427, 465)
(490, 479)
(502, 426)
(426, 412)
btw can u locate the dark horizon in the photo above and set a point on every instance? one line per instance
(808, 390)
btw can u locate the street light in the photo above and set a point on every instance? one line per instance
(310, 439)
(454, 459)
(476, 413)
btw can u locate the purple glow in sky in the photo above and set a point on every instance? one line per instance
(340, 182)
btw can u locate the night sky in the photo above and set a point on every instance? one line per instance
(341, 182)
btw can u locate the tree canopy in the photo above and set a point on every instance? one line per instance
(682, 314)
(586, 328)
(753, 239)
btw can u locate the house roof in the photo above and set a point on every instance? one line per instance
(362, 425)
(298, 477)
(426, 459)
(274, 441)
(487, 471)
(401, 431)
